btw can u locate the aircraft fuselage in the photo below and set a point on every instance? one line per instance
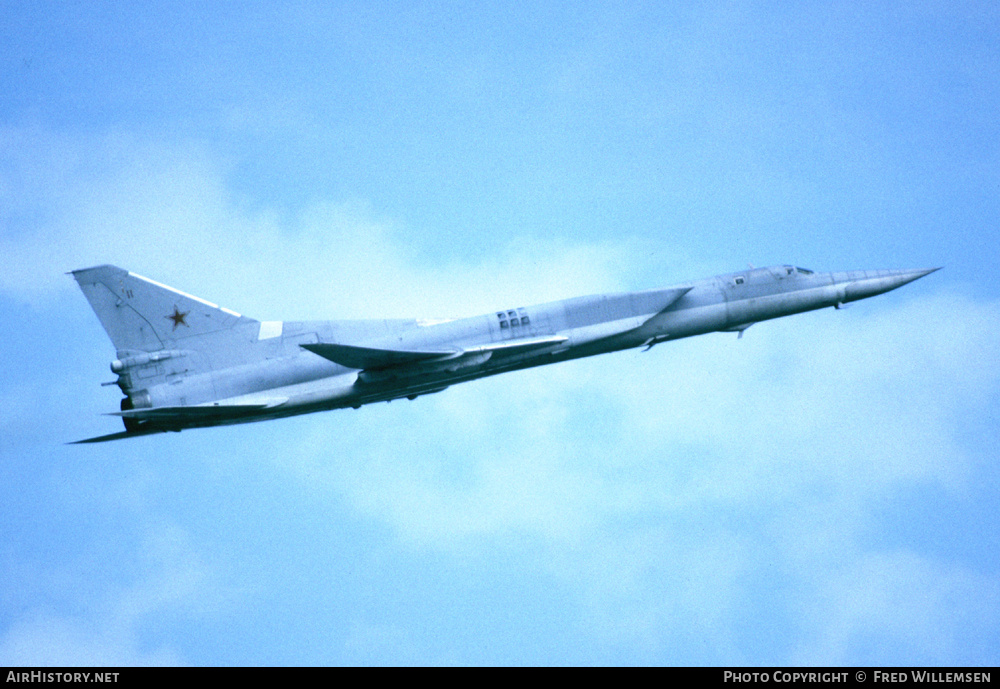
(238, 370)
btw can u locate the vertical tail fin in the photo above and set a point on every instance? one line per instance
(142, 315)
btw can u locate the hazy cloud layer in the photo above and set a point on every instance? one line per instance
(661, 486)
(156, 208)
(657, 487)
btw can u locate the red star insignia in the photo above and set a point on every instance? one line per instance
(178, 317)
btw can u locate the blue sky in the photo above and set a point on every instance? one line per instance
(822, 491)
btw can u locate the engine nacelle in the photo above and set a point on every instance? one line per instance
(138, 400)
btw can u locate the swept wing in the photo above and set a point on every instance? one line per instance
(375, 359)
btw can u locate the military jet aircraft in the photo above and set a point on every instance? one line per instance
(183, 362)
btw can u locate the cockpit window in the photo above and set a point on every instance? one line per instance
(804, 271)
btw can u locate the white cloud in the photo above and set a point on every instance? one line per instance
(108, 623)
(661, 483)
(889, 598)
(849, 415)
(44, 640)
(164, 211)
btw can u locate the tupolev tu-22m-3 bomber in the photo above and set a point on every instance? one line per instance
(183, 362)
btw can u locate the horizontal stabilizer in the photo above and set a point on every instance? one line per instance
(194, 413)
(117, 436)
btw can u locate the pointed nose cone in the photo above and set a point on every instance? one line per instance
(862, 284)
(904, 276)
